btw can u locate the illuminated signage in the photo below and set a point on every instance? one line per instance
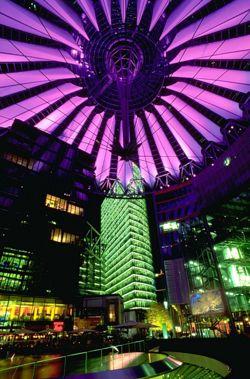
(58, 326)
(207, 302)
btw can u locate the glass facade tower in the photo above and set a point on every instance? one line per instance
(235, 269)
(127, 257)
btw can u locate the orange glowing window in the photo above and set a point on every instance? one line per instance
(112, 315)
(63, 205)
(58, 235)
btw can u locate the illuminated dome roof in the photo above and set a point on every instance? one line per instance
(158, 85)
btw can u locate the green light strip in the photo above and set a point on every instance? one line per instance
(128, 268)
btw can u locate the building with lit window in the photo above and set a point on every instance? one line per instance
(35, 312)
(204, 235)
(94, 311)
(127, 257)
(42, 218)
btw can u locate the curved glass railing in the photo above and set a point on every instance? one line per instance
(120, 361)
(107, 358)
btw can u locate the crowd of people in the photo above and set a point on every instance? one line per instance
(63, 343)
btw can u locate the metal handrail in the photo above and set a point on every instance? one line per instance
(64, 357)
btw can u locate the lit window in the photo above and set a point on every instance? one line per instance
(112, 316)
(169, 226)
(21, 161)
(56, 202)
(63, 205)
(58, 235)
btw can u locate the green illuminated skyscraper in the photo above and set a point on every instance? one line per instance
(127, 257)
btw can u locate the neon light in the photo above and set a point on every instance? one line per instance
(58, 326)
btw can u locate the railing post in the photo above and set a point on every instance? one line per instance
(34, 371)
(86, 362)
(101, 356)
(64, 366)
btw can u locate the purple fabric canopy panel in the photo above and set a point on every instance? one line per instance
(133, 83)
